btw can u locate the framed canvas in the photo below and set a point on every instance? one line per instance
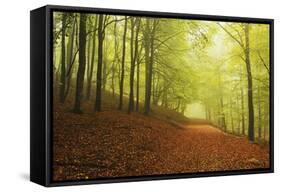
(125, 95)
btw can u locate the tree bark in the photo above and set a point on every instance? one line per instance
(238, 113)
(104, 66)
(242, 107)
(259, 114)
(122, 66)
(70, 69)
(132, 69)
(138, 87)
(251, 132)
(147, 63)
(82, 63)
(138, 60)
(70, 48)
(231, 115)
(99, 67)
(62, 75)
(265, 124)
(115, 60)
(89, 81)
(134, 55)
(149, 60)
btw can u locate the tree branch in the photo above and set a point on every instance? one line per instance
(263, 62)
(231, 35)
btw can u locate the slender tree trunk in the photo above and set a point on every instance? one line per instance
(88, 58)
(123, 66)
(231, 116)
(265, 126)
(57, 75)
(251, 132)
(134, 56)
(155, 87)
(99, 67)
(71, 67)
(132, 70)
(82, 63)
(222, 114)
(149, 63)
(138, 87)
(259, 114)
(115, 60)
(206, 112)
(223, 124)
(62, 75)
(70, 48)
(89, 82)
(209, 114)
(138, 60)
(238, 114)
(113, 79)
(242, 107)
(165, 95)
(104, 65)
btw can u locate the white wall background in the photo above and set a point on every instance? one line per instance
(14, 94)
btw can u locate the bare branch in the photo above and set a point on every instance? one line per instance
(231, 35)
(263, 62)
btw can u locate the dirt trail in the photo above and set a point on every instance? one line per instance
(110, 144)
(206, 148)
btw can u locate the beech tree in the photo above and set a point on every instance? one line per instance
(217, 71)
(123, 66)
(244, 43)
(82, 63)
(99, 66)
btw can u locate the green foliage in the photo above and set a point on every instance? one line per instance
(194, 62)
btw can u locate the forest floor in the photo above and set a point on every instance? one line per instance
(116, 144)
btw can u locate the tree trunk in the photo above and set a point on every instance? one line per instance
(134, 56)
(238, 113)
(99, 67)
(104, 66)
(155, 93)
(89, 82)
(71, 67)
(88, 59)
(242, 107)
(113, 79)
(223, 124)
(265, 126)
(82, 63)
(251, 132)
(70, 48)
(149, 60)
(138, 87)
(231, 115)
(147, 50)
(259, 114)
(164, 102)
(62, 75)
(123, 66)
(222, 114)
(115, 60)
(132, 70)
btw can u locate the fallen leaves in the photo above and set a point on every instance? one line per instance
(115, 144)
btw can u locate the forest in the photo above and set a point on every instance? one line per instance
(126, 88)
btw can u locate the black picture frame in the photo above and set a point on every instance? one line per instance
(41, 93)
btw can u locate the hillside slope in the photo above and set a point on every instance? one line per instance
(114, 144)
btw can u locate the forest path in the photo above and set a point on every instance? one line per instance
(207, 148)
(113, 143)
